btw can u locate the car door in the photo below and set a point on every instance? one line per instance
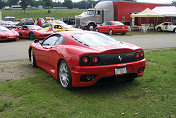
(23, 31)
(46, 46)
(108, 26)
(102, 27)
(54, 52)
(170, 27)
(165, 28)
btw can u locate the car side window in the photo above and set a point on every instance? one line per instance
(51, 40)
(24, 28)
(165, 23)
(108, 23)
(60, 41)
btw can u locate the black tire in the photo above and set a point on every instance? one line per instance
(91, 27)
(96, 30)
(31, 36)
(159, 29)
(174, 30)
(110, 32)
(65, 75)
(32, 59)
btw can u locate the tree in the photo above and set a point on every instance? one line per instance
(68, 3)
(12, 2)
(174, 2)
(24, 4)
(47, 3)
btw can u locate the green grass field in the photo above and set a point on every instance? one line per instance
(152, 96)
(57, 13)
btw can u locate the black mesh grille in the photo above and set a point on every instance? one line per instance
(108, 59)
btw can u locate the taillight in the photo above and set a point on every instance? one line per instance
(85, 60)
(142, 54)
(95, 60)
(137, 55)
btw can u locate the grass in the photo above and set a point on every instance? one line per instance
(57, 13)
(152, 96)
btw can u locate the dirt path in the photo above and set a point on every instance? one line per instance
(16, 70)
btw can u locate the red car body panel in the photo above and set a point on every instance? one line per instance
(8, 35)
(39, 34)
(115, 28)
(48, 58)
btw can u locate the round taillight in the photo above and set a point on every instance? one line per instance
(95, 60)
(142, 54)
(85, 60)
(137, 55)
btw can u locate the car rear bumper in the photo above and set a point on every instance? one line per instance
(103, 71)
(9, 38)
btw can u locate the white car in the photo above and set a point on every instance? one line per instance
(166, 26)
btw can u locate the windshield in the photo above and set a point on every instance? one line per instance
(67, 26)
(4, 29)
(94, 39)
(91, 12)
(10, 19)
(33, 27)
(58, 22)
(118, 23)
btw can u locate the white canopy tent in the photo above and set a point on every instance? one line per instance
(167, 11)
(147, 13)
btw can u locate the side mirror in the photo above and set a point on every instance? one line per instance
(36, 41)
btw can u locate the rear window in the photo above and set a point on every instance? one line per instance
(94, 39)
(118, 23)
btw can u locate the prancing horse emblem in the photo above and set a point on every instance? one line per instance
(120, 58)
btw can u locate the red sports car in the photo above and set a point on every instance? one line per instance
(33, 32)
(112, 27)
(81, 58)
(6, 34)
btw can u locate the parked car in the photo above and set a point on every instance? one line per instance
(112, 27)
(69, 21)
(81, 58)
(166, 26)
(59, 26)
(10, 24)
(32, 32)
(2, 23)
(6, 34)
(26, 21)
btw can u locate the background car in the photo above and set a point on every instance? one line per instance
(166, 26)
(6, 34)
(59, 26)
(32, 32)
(112, 27)
(81, 58)
(26, 21)
(10, 24)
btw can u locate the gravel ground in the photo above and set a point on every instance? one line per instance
(16, 70)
